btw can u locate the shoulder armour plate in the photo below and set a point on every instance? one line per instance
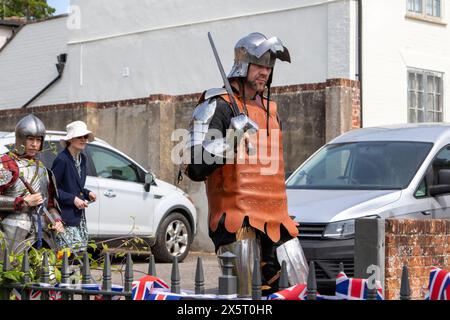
(204, 111)
(214, 92)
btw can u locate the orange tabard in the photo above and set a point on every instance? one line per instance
(253, 185)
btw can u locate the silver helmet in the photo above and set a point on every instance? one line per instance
(29, 125)
(257, 49)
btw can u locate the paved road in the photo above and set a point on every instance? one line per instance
(187, 271)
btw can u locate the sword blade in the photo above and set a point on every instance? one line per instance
(234, 106)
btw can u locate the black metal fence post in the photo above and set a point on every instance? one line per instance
(256, 279)
(405, 289)
(227, 282)
(151, 266)
(65, 276)
(106, 279)
(284, 279)
(6, 292)
(86, 274)
(311, 285)
(25, 293)
(45, 275)
(128, 275)
(175, 277)
(199, 277)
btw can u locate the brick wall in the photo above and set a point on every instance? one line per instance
(419, 244)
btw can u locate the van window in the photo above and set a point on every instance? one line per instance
(439, 166)
(111, 165)
(361, 165)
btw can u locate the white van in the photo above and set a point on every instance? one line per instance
(400, 171)
(131, 202)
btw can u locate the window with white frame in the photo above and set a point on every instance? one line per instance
(424, 96)
(425, 8)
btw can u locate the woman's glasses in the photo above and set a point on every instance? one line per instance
(83, 137)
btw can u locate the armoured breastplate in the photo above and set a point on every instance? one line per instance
(253, 186)
(35, 175)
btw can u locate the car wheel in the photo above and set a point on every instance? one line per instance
(174, 238)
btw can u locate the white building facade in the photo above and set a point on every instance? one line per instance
(406, 61)
(120, 50)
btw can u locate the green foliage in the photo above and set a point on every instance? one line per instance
(33, 9)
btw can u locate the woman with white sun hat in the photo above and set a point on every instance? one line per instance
(69, 168)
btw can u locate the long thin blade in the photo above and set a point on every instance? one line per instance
(224, 77)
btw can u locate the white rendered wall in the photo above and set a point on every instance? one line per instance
(132, 49)
(393, 43)
(135, 48)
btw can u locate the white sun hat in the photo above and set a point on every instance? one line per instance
(74, 130)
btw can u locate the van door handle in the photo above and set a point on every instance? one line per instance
(110, 194)
(426, 213)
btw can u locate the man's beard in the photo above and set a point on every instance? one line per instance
(257, 86)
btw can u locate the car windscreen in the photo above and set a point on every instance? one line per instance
(372, 165)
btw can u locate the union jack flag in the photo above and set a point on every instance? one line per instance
(95, 286)
(34, 294)
(163, 295)
(297, 292)
(354, 288)
(439, 286)
(142, 288)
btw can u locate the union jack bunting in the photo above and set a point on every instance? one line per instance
(354, 288)
(297, 292)
(95, 286)
(439, 286)
(34, 294)
(142, 288)
(163, 295)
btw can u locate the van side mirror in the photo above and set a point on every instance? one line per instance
(443, 183)
(149, 180)
(439, 189)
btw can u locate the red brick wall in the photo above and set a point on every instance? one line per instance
(419, 244)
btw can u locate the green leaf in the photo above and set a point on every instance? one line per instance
(13, 275)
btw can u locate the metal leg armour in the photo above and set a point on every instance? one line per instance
(297, 266)
(15, 237)
(245, 250)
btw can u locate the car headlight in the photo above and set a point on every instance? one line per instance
(340, 230)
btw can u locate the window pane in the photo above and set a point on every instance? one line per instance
(430, 102)
(419, 77)
(430, 7)
(419, 102)
(430, 116)
(411, 99)
(437, 102)
(412, 116)
(437, 8)
(112, 166)
(430, 84)
(420, 116)
(437, 84)
(419, 6)
(411, 78)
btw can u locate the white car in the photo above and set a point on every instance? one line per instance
(131, 202)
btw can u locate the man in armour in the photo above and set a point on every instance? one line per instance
(245, 187)
(27, 190)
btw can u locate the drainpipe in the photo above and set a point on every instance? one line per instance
(360, 57)
(62, 58)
